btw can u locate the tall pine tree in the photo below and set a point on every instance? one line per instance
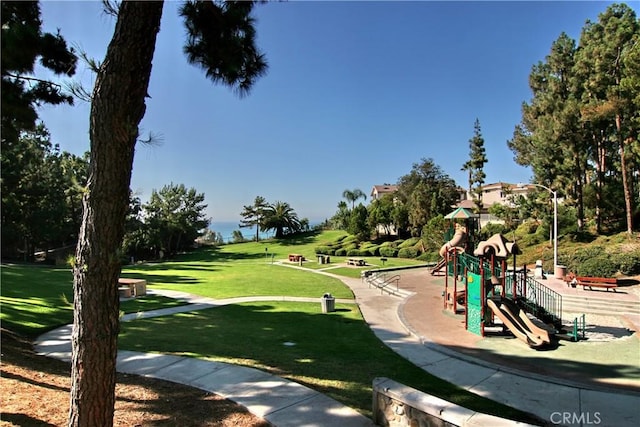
(475, 165)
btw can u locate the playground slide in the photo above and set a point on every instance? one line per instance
(523, 325)
(542, 333)
(517, 328)
(459, 237)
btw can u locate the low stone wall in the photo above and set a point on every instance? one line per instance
(396, 405)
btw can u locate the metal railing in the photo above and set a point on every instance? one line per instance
(579, 328)
(381, 281)
(539, 300)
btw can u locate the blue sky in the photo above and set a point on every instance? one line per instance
(355, 94)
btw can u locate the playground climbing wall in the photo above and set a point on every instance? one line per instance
(474, 303)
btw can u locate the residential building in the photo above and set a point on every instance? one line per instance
(380, 190)
(499, 192)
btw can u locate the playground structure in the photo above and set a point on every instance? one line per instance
(460, 237)
(484, 288)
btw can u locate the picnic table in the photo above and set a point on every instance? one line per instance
(359, 262)
(296, 257)
(132, 287)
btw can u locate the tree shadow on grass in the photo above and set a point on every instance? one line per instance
(164, 278)
(298, 239)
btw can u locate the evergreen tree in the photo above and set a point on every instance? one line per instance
(175, 216)
(252, 215)
(475, 165)
(221, 40)
(23, 43)
(610, 68)
(550, 137)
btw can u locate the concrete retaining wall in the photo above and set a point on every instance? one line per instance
(396, 405)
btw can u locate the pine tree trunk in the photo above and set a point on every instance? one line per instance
(116, 110)
(625, 183)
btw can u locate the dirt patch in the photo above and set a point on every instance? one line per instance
(35, 392)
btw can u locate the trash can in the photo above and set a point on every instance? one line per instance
(320, 259)
(538, 272)
(328, 303)
(560, 271)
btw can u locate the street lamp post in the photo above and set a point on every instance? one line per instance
(555, 223)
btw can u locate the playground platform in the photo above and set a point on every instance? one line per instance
(608, 359)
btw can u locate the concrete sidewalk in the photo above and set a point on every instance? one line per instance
(282, 402)
(285, 403)
(553, 400)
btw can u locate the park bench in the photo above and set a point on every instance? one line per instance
(596, 282)
(356, 261)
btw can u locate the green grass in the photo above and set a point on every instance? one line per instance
(36, 299)
(336, 353)
(224, 273)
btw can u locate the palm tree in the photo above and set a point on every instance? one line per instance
(281, 217)
(353, 195)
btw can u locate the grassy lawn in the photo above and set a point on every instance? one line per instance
(37, 299)
(334, 353)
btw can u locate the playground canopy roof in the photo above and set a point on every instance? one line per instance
(461, 213)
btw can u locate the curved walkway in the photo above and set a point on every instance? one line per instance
(282, 402)
(285, 403)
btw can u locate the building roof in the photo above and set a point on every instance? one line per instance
(460, 213)
(382, 189)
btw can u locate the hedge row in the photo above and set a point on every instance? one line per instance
(595, 261)
(347, 246)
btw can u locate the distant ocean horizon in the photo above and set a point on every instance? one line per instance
(226, 229)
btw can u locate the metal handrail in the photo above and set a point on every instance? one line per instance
(539, 300)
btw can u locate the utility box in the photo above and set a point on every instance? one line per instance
(328, 303)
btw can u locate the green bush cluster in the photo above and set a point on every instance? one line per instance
(597, 267)
(408, 252)
(388, 251)
(596, 261)
(628, 263)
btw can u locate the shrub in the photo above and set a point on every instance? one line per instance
(357, 252)
(389, 252)
(429, 257)
(323, 250)
(350, 247)
(409, 243)
(350, 239)
(490, 229)
(408, 253)
(340, 252)
(628, 263)
(371, 248)
(584, 254)
(602, 266)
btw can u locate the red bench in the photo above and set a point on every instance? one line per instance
(596, 282)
